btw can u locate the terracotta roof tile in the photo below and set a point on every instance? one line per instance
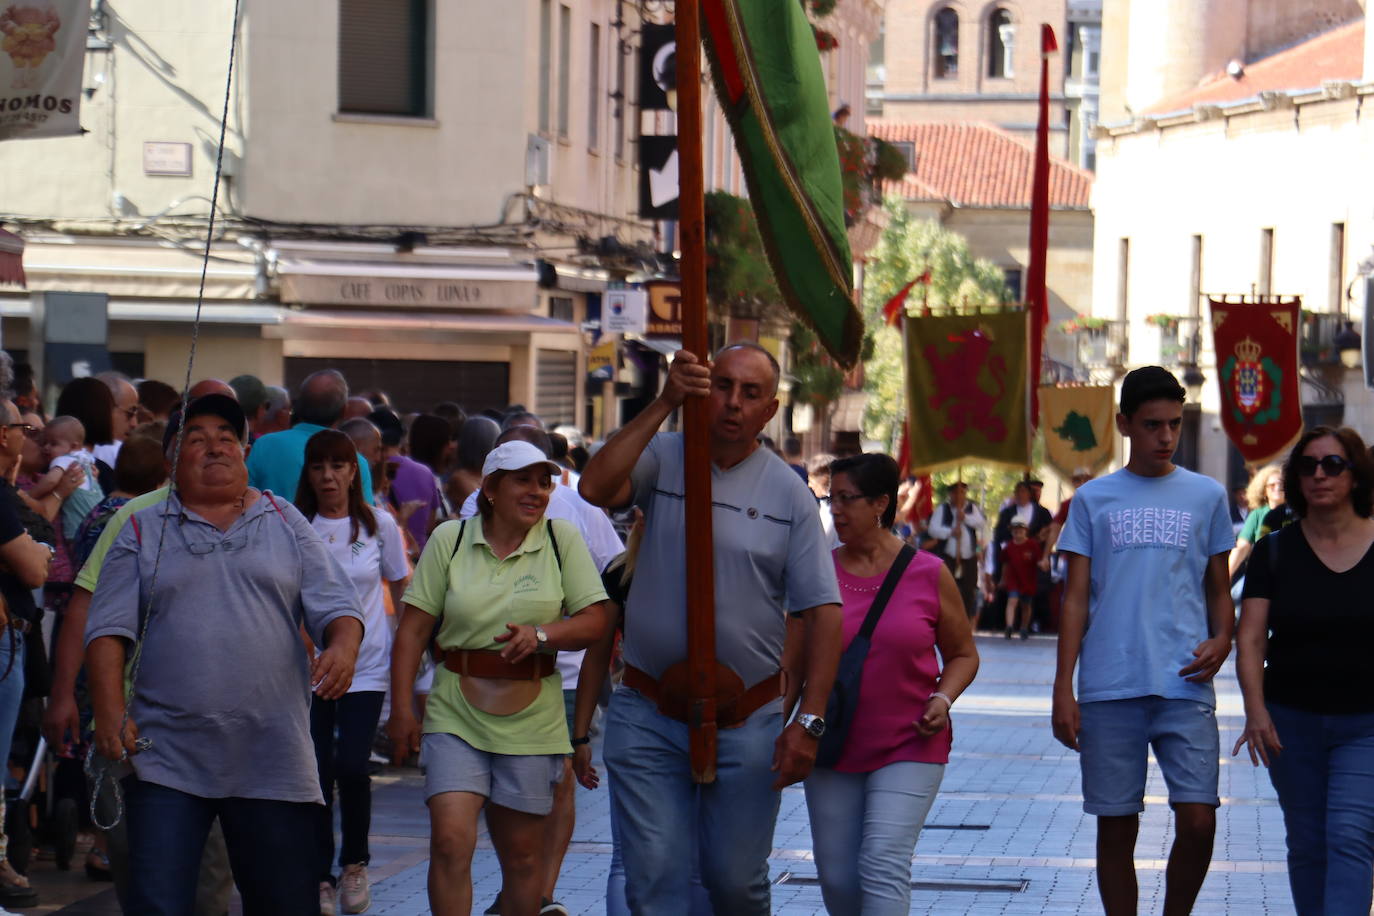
(1334, 55)
(972, 164)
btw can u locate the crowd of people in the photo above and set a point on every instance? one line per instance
(237, 597)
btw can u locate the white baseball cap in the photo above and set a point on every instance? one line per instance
(514, 456)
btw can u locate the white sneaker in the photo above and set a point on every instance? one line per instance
(328, 905)
(355, 893)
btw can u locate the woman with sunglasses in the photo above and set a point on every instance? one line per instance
(368, 546)
(1303, 663)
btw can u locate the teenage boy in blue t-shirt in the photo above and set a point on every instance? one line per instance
(1146, 655)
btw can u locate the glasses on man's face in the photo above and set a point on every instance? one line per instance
(1331, 465)
(28, 429)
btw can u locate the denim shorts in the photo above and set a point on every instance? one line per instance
(521, 782)
(1115, 737)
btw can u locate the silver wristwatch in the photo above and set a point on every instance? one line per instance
(541, 636)
(814, 725)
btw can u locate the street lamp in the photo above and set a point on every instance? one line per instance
(1348, 345)
(1193, 380)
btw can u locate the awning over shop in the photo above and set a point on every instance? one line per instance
(425, 321)
(362, 274)
(176, 311)
(12, 259)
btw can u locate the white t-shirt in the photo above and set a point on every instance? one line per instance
(109, 452)
(602, 541)
(369, 560)
(87, 462)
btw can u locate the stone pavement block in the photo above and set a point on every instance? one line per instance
(1007, 773)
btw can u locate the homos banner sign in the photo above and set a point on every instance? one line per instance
(44, 45)
(1257, 371)
(967, 390)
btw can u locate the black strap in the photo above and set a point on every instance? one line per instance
(554, 541)
(894, 575)
(462, 527)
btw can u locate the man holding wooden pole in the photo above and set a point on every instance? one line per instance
(770, 559)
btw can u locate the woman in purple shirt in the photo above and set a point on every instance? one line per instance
(899, 741)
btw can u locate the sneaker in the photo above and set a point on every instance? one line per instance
(355, 893)
(328, 905)
(553, 907)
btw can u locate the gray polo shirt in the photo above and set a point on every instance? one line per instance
(770, 558)
(224, 686)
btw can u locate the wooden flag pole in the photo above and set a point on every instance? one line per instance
(701, 590)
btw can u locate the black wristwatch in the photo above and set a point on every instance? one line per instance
(578, 742)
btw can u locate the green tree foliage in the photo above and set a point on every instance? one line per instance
(738, 278)
(907, 248)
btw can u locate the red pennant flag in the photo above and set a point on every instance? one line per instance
(892, 311)
(1037, 298)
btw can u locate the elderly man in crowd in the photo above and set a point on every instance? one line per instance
(771, 560)
(236, 748)
(277, 458)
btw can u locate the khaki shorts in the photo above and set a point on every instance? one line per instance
(521, 782)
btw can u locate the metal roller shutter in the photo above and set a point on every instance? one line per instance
(382, 56)
(556, 387)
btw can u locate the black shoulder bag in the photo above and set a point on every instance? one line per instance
(844, 696)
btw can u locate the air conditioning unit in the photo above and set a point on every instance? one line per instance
(536, 161)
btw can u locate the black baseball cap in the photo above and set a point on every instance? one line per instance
(217, 405)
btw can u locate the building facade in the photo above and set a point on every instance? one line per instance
(431, 196)
(1247, 182)
(952, 60)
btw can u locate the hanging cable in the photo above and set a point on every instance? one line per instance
(99, 770)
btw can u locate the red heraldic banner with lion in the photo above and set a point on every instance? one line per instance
(966, 390)
(1257, 371)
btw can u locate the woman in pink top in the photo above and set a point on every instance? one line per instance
(867, 810)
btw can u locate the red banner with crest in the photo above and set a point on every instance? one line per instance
(1257, 372)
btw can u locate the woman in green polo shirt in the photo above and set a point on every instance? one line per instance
(495, 588)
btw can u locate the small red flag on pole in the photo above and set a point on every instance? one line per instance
(1037, 298)
(892, 311)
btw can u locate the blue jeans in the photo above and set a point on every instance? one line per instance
(11, 696)
(616, 904)
(271, 851)
(655, 805)
(864, 828)
(1325, 780)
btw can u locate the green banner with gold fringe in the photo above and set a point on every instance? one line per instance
(967, 390)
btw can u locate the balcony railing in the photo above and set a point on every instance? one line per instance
(1318, 342)
(1105, 347)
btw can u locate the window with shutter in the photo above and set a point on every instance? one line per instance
(384, 57)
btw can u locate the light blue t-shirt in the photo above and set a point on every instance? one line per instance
(1149, 539)
(276, 459)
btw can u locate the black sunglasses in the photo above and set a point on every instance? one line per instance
(1331, 465)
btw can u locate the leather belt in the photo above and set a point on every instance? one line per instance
(489, 663)
(730, 711)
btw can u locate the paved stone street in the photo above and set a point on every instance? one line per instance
(1007, 833)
